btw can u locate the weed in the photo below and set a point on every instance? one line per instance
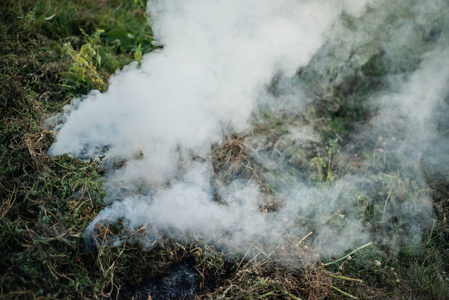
(84, 65)
(52, 51)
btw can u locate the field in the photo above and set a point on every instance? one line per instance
(52, 52)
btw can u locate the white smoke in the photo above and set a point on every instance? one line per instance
(159, 120)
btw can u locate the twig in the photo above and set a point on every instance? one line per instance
(341, 277)
(302, 240)
(385, 206)
(360, 248)
(344, 293)
(265, 295)
(6, 206)
(291, 295)
(247, 252)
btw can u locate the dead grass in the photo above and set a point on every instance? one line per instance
(47, 202)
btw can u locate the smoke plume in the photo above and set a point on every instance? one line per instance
(223, 65)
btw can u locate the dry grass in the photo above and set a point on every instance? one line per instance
(47, 202)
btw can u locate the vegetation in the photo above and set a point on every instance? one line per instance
(52, 51)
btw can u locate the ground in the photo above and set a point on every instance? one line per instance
(53, 51)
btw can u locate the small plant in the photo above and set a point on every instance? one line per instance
(325, 165)
(85, 61)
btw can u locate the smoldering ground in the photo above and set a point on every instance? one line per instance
(157, 123)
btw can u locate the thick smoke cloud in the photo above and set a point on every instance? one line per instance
(160, 120)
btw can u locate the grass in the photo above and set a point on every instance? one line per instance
(46, 203)
(52, 51)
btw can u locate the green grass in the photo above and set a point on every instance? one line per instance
(52, 51)
(47, 203)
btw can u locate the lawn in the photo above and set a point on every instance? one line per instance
(378, 187)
